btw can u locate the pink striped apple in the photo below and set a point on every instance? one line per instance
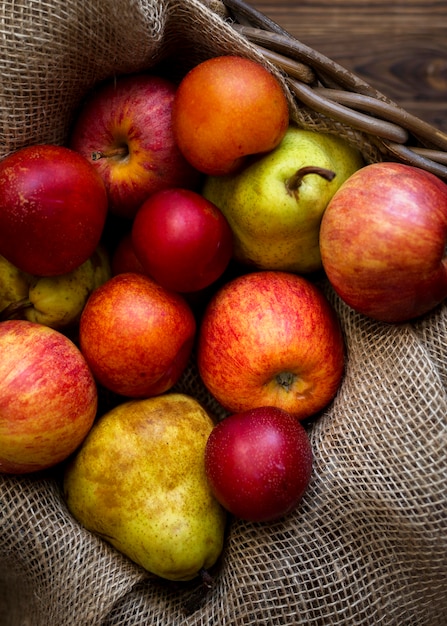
(271, 338)
(124, 129)
(383, 239)
(48, 397)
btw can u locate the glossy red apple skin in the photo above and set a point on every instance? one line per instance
(182, 240)
(271, 338)
(382, 240)
(125, 130)
(136, 336)
(54, 207)
(48, 397)
(259, 463)
(225, 109)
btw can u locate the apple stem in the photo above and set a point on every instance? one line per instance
(286, 380)
(294, 182)
(120, 151)
(14, 309)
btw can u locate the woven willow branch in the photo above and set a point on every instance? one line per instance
(330, 89)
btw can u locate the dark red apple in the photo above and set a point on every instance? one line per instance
(383, 239)
(182, 240)
(53, 209)
(125, 129)
(259, 463)
(124, 258)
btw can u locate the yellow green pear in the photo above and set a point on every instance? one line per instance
(139, 481)
(14, 284)
(58, 301)
(55, 301)
(275, 204)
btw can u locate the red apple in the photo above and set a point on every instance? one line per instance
(383, 239)
(182, 240)
(53, 209)
(125, 129)
(124, 258)
(226, 108)
(136, 335)
(48, 397)
(271, 338)
(259, 463)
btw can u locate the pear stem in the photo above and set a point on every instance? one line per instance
(294, 182)
(14, 309)
(207, 579)
(198, 596)
(120, 151)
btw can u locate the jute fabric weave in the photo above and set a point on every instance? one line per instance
(368, 544)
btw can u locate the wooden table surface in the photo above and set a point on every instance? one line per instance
(397, 46)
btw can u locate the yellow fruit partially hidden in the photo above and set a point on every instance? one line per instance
(275, 205)
(55, 301)
(139, 481)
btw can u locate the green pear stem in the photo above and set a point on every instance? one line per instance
(14, 309)
(294, 182)
(120, 151)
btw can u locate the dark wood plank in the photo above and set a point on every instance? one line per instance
(398, 46)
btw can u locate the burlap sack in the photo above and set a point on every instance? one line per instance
(368, 545)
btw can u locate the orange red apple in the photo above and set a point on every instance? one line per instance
(271, 338)
(136, 335)
(226, 108)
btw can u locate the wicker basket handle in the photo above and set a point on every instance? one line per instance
(330, 89)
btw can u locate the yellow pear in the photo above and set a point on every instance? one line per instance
(13, 284)
(58, 301)
(139, 481)
(55, 301)
(100, 262)
(275, 204)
